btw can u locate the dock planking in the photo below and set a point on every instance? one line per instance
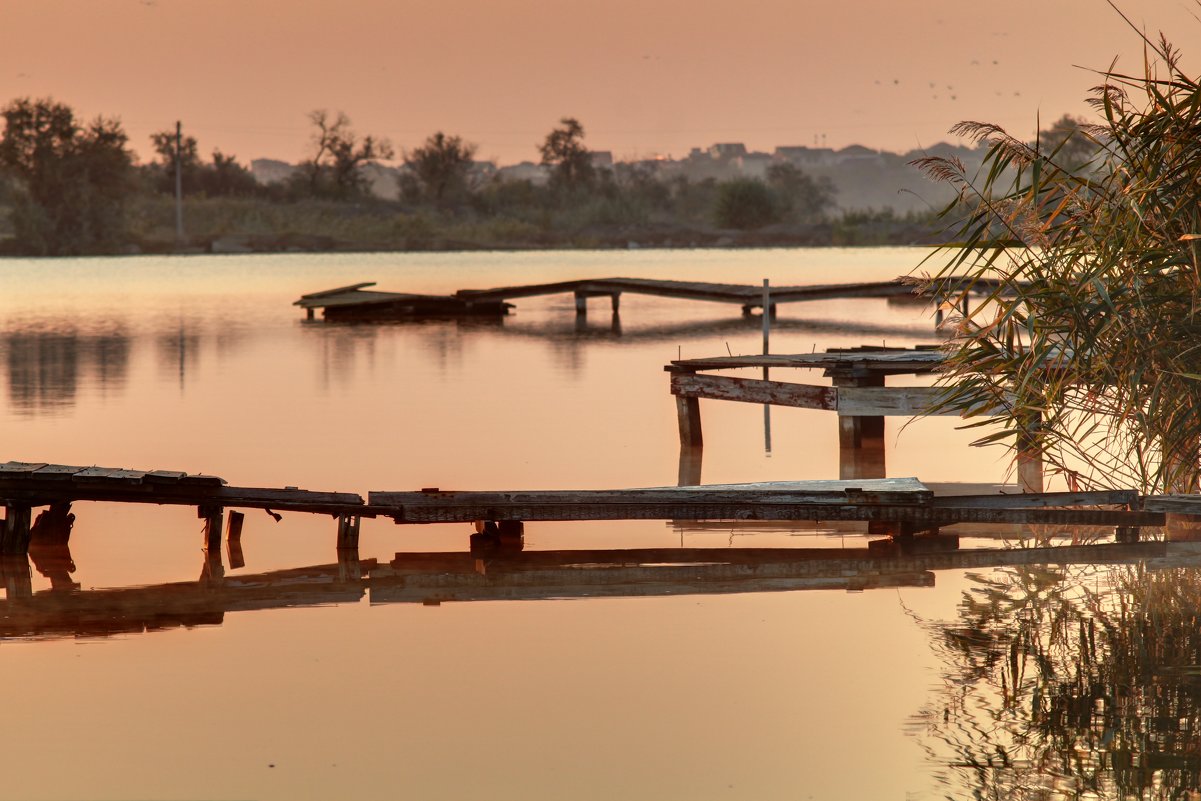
(356, 301)
(897, 506)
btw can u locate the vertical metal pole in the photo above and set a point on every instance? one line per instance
(766, 350)
(178, 183)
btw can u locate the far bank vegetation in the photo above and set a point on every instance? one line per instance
(70, 187)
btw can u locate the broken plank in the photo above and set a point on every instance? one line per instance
(754, 390)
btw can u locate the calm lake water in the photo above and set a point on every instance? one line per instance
(202, 364)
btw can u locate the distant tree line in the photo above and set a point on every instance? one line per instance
(70, 185)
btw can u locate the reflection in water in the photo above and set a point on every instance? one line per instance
(45, 369)
(1071, 683)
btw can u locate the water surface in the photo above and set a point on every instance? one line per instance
(202, 364)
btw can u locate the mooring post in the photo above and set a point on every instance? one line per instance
(213, 517)
(14, 534)
(348, 531)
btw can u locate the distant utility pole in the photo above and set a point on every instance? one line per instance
(178, 184)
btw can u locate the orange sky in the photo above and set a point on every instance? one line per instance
(645, 77)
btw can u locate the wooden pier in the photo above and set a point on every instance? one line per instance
(357, 302)
(858, 396)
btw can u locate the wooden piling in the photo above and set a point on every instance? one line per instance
(615, 300)
(1030, 455)
(581, 304)
(348, 531)
(16, 577)
(689, 412)
(213, 517)
(15, 533)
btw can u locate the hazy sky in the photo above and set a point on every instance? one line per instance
(645, 77)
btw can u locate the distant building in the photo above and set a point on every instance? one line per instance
(601, 159)
(727, 151)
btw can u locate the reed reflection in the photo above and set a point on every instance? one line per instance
(1071, 683)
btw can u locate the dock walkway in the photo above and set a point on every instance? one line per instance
(356, 301)
(898, 507)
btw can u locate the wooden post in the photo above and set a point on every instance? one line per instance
(350, 569)
(615, 299)
(689, 412)
(14, 535)
(348, 531)
(690, 466)
(860, 437)
(581, 304)
(1030, 455)
(18, 581)
(213, 517)
(310, 313)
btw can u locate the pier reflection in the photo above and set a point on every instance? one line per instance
(511, 574)
(1079, 682)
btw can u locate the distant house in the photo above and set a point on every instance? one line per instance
(802, 156)
(271, 171)
(858, 154)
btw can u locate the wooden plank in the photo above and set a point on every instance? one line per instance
(1173, 504)
(754, 390)
(164, 476)
(1044, 499)
(56, 472)
(891, 401)
(887, 361)
(335, 291)
(13, 469)
(112, 474)
(865, 491)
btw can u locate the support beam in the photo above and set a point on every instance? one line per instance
(615, 299)
(348, 531)
(581, 304)
(689, 412)
(233, 540)
(690, 466)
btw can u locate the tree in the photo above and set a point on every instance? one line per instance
(189, 162)
(564, 152)
(1088, 346)
(799, 194)
(441, 169)
(745, 203)
(335, 168)
(72, 180)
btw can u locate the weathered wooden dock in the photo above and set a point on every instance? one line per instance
(858, 395)
(897, 507)
(357, 302)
